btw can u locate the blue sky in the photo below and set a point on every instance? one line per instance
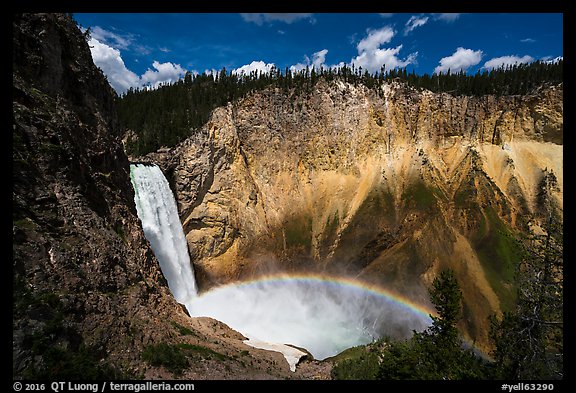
(136, 50)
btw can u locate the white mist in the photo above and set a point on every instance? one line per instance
(325, 317)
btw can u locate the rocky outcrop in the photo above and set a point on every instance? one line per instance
(388, 185)
(86, 283)
(88, 294)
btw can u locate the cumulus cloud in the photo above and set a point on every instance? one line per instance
(528, 40)
(111, 63)
(375, 38)
(462, 59)
(162, 73)
(318, 61)
(260, 18)
(319, 58)
(371, 56)
(121, 78)
(507, 60)
(258, 66)
(414, 22)
(372, 61)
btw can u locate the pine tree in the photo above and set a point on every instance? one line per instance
(529, 340)
(191, 100)
(437, 352)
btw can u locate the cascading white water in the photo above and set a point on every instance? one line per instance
(324, 317)
(159, 215)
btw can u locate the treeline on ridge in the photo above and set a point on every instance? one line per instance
(167, 115)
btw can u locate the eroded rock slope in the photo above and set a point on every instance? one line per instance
(388, 186)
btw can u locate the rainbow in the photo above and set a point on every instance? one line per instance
(395, 298)
(423, 312)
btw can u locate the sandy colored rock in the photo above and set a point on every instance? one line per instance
(387, 185)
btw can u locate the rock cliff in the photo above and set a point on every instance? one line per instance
(88, 295)
(388, 186)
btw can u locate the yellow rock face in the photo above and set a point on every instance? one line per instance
(389, 186)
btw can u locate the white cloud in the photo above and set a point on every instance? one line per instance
(110, 38)
(371, 57)
(548, 59)
(528, 40)
(260, 18)
(459, 60)
(448, 17)
(164, 49)
(258, 66)
(375, 38)
(163, 73)
(121, 78)
(111, 63)
(318, 61)
(415, 22)
(373, 61)
(386, 15)
(123, 41)
(300, 66)
(213, 72)
(507, 60)
(319, 58)
(336, 67)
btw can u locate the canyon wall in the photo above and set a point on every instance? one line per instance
(386, 185)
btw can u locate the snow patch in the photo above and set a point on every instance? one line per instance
(291, 354)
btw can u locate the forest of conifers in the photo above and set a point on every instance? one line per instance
(172, 112)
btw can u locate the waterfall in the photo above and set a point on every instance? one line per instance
(157, 210)
(323, 314)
